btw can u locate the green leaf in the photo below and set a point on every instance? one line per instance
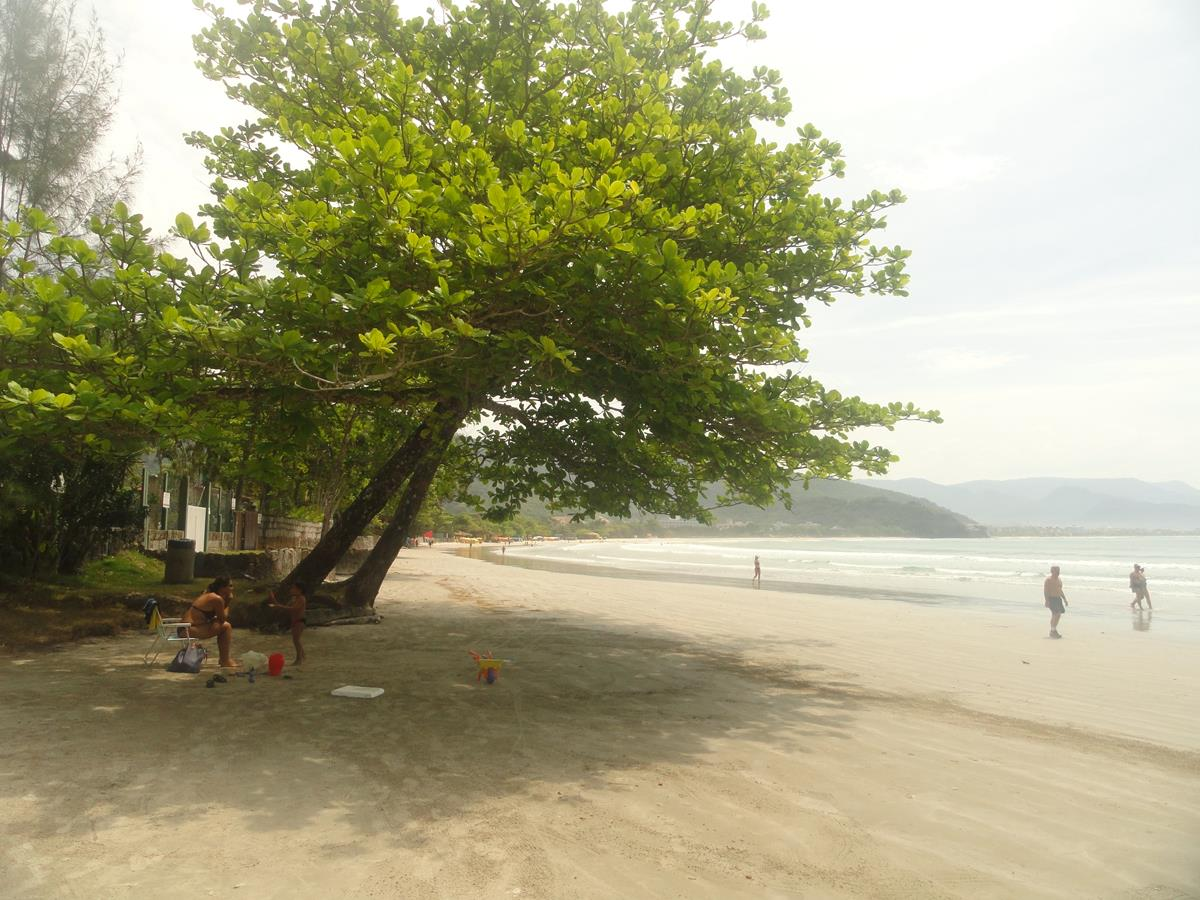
(12, 323)
(497, 197)
(377, 342)
(75, 312)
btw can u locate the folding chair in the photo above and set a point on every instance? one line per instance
(167, 632)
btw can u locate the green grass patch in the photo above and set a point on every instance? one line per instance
(126, 571)
(104, 599)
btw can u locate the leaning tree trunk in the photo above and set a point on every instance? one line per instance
(316, 565)
(363, 586)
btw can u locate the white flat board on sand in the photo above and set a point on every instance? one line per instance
(358, 691)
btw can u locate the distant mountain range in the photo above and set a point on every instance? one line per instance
(1065, 502)
(826, 508)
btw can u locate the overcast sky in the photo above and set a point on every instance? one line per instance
(1050, 152)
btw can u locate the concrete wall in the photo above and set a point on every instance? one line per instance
(264, 565)
(278, 532)
(156, 538)
(260, 565)
(219, 541)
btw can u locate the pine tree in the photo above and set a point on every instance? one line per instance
(58, 95)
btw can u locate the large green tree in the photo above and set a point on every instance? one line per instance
(557, 215)
(551, 220)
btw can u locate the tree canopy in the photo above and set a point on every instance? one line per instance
(564, 216)
(553, 221)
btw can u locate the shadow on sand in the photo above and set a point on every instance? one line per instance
(93, 737)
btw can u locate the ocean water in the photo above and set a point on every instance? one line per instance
(992, 573)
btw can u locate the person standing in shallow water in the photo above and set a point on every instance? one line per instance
(757, 579)
(1056, 599)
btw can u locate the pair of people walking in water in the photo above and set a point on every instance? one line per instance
(1137, 584)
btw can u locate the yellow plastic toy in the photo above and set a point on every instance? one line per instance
(489, 666)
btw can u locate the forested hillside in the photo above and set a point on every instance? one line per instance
(825, 508)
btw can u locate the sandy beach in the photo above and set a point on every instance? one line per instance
(645, 739)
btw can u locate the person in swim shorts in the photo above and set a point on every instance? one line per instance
(1056, 600)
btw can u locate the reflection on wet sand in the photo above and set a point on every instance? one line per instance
(1142, 620)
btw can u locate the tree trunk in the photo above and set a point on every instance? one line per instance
(316, 565)
(332, 493)
(362, 588)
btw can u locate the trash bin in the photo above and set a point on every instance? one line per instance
(181, 562)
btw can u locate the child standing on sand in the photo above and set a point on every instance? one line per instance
(296, 611)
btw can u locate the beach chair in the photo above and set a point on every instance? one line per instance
(167, 631)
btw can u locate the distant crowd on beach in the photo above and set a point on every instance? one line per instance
(1056, 597)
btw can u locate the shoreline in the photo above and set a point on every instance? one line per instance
(565, 567)
(1107, 603)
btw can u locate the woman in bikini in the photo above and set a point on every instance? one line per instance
(209, 617)
(296, 610)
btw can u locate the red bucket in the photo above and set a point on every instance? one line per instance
(275, 663)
